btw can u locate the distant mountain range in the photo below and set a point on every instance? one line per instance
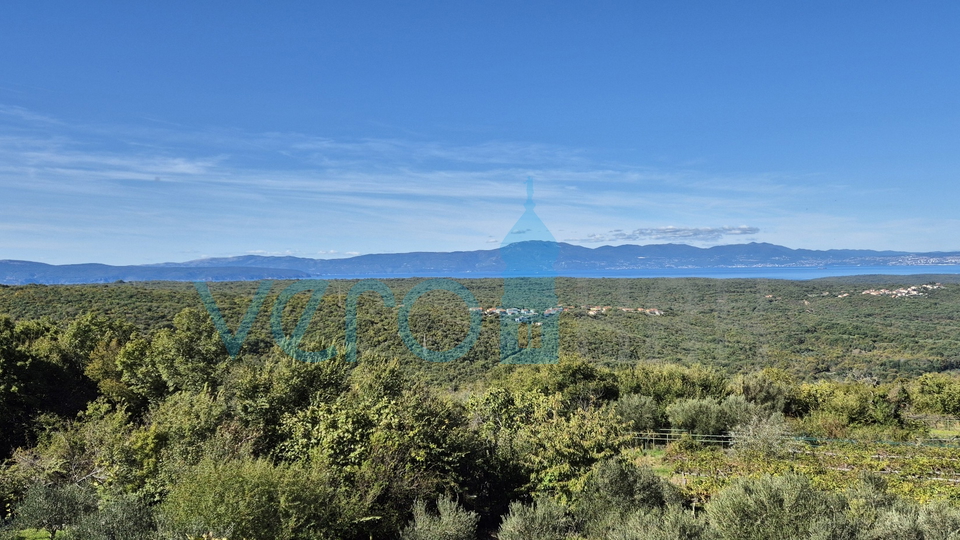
(572, 261)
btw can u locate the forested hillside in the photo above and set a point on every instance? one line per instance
(724, 409)
(732, 324)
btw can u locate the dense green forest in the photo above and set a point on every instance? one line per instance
(726, 409)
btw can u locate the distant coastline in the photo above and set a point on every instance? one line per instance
(788, 273)
(754, 260)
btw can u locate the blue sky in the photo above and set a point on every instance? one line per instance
(134, 133)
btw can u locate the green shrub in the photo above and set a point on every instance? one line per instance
(545, 519)
(616, 486)
(252, 499)
(671, 523)
(639, 413)
(122, 517)
(450, 523)
(708, 416)
(940, 521)
(867, 498)
(54, 507)
(763, 436)
(770, 388)
(667, 382)
(784, 507)
(896, 524)
(703, 416)
(737, 410)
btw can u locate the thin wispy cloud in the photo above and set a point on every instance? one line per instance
(26, 115)
(689, 234)
(225, 192)
(329, 152)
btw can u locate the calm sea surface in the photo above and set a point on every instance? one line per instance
(780, 273)
(748, 272)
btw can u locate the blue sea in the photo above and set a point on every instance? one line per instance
(801, 273)
(775, 273)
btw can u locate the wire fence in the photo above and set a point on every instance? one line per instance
(819, 446)
(664, 437)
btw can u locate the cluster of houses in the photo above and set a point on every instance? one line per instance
(916, 290)
(596, 310)
(517, 311)
(520, 315)
(524, 315)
